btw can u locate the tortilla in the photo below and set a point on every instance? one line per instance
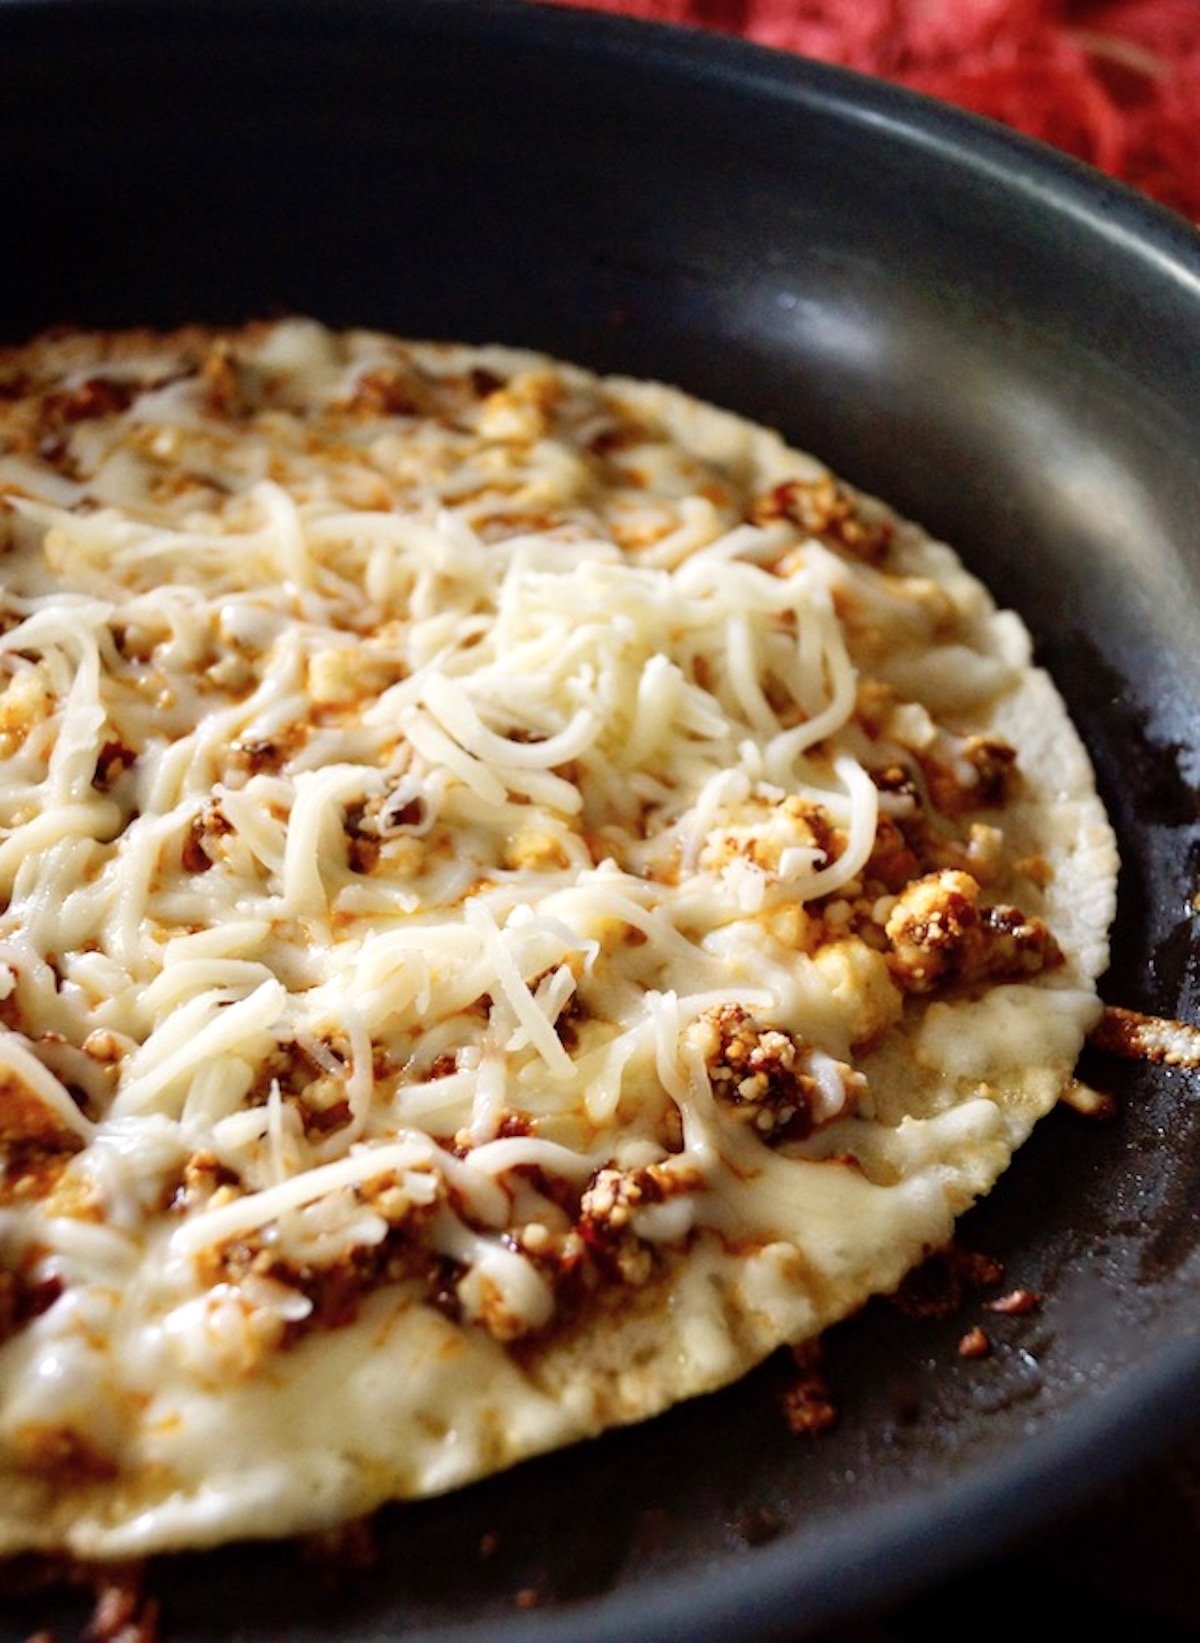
(522, 894)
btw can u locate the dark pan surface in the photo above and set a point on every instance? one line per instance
(1000, 342)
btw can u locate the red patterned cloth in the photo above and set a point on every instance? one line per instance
(1115, 82)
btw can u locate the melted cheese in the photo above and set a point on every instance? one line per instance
(387, 798)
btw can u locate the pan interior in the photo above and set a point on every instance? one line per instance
(1001, 344)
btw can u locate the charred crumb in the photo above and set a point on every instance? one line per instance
(362, 839)
(96, 396)
(1018, 1303)
(199, 850)
(940, 1285)
(528, 1597)
(608, 1211)
(769, 1079)
(385, 391)
(940, 932)
(113, 761)
(484, 383)
(123, 1617)
(408, 813)
(980, 774)
(23, 1299)
(202, 1175)
(940, 1288)
(443, 1295)
(1137, 1037)
(830, 511)
(975, 1343)
(257, 756)
(806, 1400)
(573, 1012)
(122, 1608)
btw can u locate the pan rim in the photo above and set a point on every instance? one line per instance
(980, 1512)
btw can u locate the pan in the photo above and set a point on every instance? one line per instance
(998, 340)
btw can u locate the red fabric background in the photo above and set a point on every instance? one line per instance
(1115, 82)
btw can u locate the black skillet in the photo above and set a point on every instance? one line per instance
(996, 339)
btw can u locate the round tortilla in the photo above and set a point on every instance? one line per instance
(452, 1005)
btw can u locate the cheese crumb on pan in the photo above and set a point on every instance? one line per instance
(521, 894)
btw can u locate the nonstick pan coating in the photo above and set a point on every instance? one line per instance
(1000, 342)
